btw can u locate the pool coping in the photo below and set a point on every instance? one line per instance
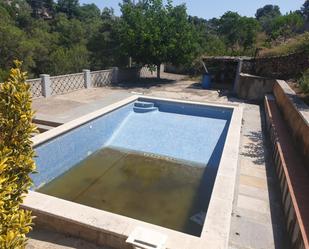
(96, 225)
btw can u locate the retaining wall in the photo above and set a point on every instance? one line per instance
(277, 67)
(251, 87)
(296, 115)
(292, 176)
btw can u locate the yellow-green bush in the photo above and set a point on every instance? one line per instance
(304, 82)
(16, 158)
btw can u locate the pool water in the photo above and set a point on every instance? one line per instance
(150, 188)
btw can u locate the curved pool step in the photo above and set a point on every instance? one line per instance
(143, 104)
(144, 109)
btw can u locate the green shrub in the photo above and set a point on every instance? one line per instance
(16, 158)
(299, 44)
(304, 82)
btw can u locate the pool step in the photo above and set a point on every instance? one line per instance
(43, 128)
(144, 109)
(45, 125)
(143, 104)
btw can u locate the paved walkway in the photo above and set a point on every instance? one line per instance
(43, 239)
(257, 218)
(66, 107)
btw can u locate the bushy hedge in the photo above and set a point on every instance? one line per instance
(16, 158)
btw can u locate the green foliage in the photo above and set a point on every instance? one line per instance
(153, 33)
(270, 11)
(45, 34)
(305, 10)
(299, 44)
(286, 26)
(238, 32)
(89, 12)
(69, 7)
(213, 45)
(16, 158)
(104, 44)
(304, 82)
(68, 60)
(72, 31)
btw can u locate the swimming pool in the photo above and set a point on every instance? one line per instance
(188, 139)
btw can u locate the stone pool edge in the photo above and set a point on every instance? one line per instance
(110, 229)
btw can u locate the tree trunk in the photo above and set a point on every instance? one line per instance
(159, 71)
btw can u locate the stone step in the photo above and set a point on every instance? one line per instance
(42, 128)
(46, 122)
(143, 104)
(144, 110)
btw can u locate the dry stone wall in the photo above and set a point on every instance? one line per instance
(280, 67)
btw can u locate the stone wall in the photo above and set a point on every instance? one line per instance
(221, 69)
(251, 87)
(280, 67)
(128, 74)
(224, 68)
(296, 114)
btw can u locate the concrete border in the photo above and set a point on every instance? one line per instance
(105, 228)
(296, 114)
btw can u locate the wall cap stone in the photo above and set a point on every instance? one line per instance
(299, 105)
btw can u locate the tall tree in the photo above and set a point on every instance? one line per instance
(286, 26)
(69, 7)
(89, 12)
(104, 44)
(266, 15)
(268, 11)
(42, 8)
(305, 10)
(238, 32)
(153, 33)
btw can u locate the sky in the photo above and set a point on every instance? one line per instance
(215, 8)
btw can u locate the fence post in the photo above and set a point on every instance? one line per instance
(115, 75)
(238, 72)
(87, 78)
(46, 88)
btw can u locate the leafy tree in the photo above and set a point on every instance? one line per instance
(238, 32)
(104, 45)
(213, 46)
(10, 44)
(89, 12)
(250, 29)
(153, 33)
(42, 8)
(5, 17)
(286, 26)
(39, 32)
(266, 15)
(44, 42)
(269, 11)
(305, 10)
(69, 7)
(68, 60)
(71, 31)
(230, 29)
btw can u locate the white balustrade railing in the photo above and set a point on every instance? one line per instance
(46, 85)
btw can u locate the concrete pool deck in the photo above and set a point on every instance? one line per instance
(256, 219)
